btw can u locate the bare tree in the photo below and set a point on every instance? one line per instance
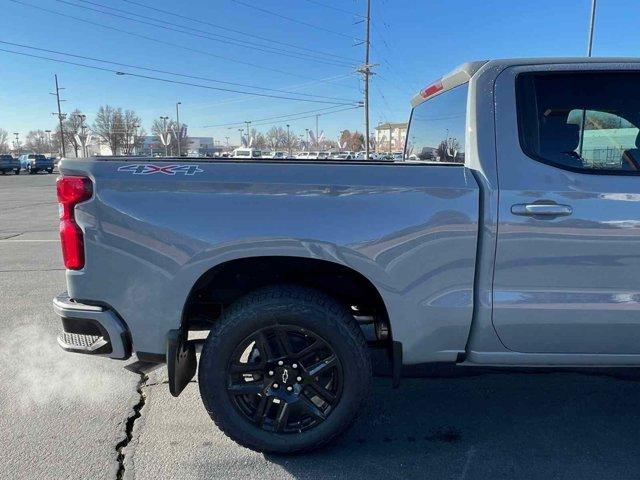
(160, 128)
(259, 140)
(448, 150)
(36, 141)
(133, 133)
(352, 141)
(178, 134)
(109, 126)
(4, 141)
(72, 128)
(276, 138)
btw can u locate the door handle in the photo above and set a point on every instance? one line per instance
(541, 209)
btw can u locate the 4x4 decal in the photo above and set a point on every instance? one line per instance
(148, 169)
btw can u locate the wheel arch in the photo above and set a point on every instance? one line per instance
(222, 284)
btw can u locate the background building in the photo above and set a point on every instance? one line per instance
(391, 136)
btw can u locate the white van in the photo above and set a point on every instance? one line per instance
(247, 153)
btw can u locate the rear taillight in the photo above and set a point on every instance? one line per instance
(71, 191)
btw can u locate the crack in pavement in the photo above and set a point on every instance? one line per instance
(131, 420)
(12, 236)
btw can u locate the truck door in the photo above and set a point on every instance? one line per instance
(567, 268)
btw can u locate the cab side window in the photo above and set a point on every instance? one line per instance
(438, 126)
(581, 121)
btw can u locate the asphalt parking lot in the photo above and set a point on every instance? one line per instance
(68, 416)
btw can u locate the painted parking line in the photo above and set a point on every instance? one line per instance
(30, 241)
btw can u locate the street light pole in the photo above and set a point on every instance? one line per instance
(178, 127)
(241, 130)
(17, 142)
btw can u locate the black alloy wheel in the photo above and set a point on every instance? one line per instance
(284, 379)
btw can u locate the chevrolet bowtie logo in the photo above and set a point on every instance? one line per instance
(285, 376)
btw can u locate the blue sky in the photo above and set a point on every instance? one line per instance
(414, 41)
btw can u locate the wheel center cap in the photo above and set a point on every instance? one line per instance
(285, 375)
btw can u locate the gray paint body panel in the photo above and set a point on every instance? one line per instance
(410, 229)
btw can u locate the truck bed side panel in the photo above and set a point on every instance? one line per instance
(410, 229)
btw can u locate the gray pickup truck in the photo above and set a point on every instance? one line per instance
(509, 236)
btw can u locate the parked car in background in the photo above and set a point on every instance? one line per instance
(323, 155)
(362, 155)
(313, 155)
(398, 156)
(302, 155)
(35, 162)
(341, 156)
(9, 164)
(247, 153)
(279, 155)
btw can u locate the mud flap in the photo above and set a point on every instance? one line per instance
(181, 361)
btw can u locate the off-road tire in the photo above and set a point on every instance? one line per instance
(290, 305)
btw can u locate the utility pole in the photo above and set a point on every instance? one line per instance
(288, 140)
(227, 139)
(317, 138)
(366, 73)
(60, 115)
(241, 130)
(179, 130)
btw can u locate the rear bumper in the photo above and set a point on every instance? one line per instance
(91, 329)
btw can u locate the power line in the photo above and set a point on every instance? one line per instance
(127, 32)
(302, 118)
(202, 22)
(204, 34)
(267, 118)
(231, 100)
(294, 20)
(331, 7)
(155, 70)
(165, 80)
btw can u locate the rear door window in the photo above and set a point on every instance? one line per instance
(438, 126)
(581, 121)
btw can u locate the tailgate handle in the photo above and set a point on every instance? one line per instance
(541, 209)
